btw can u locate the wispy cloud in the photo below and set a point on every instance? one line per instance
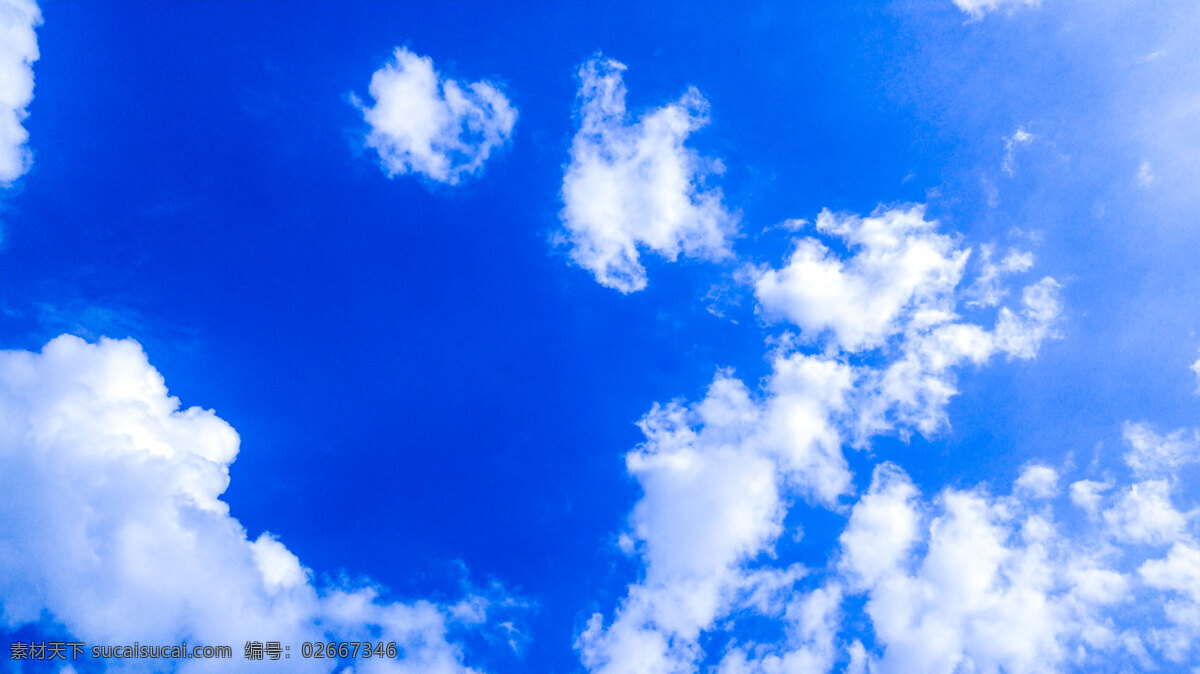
(1145, 174)
(995, 583)
(1018, 138)
(976, 9)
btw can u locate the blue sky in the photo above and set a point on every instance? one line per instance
(646, 337)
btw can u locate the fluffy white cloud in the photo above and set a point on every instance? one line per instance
(716, 477)
(974, 586)
(1144, 514)
(1038, 481)
(978, 8)
(18, 51)
(896, 293)
(971, 581)
(633, 185)
(719, 476)
(883, 527)
(424, 123)
(1087, 494)
(1152, 455)
(112, 524)
(901, 273)
(1179, 575)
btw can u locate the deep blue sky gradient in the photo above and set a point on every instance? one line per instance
(418, 377)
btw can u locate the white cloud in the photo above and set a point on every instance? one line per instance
(1153, 455)
(978, 8)
(970, 581)
(1144, 514)
(1179, 575)
(112, 524)
(895, 293)
(883, 527)
(900, 273)
(1196, 368)
(971, 600)
(633, 185)
(719, 476)
(1011, 143)
(913, 390)
(980, 584)
(716, 478)
(812, 622)
(1178, 571)
(424, 123)
(987, 290)
(1020, 336)
(1038, 481)
(1087, 494)
(18, 51)
(1145, 174)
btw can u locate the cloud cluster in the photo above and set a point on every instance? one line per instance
(18, 51)
(424, 123)
(897, 291)
(1102, 575)
(112, 524)
(972, 581)
(720, 476)
(632, 185)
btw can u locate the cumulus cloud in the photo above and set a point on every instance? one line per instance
(18, 51)
(976, 581)
(113, 526)
(971, 586)
(1087, 494)
(715, 477)
(719, 476)
(1154, 455)
(1178, 574)
(1038, 481)
(632, 185)
(896, 291)
(965, 580)
(1144, 514)
(976, 9)
(424, 123)
(901, 272)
